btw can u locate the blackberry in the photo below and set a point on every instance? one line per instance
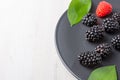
(98, 27)
(94, 34)
(104, 49)
(116, 16)
(89, 58)
(116, 42)
(89, 20)
(110, 25)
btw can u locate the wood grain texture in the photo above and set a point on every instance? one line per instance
(63, 73)
(27, 49)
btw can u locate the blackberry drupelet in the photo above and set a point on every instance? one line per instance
(110, 25)
(89, 58)
(98, 27)
(89, 20)
(104, 49)
(116, 42)
(116, 16)
(94, 34)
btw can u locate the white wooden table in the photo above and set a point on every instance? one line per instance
(27, 49)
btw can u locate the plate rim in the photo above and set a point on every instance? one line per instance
(58, 50)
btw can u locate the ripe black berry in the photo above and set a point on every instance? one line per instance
(104, 49)
(110, 25)
(89, 20)
(89, 58)
(116, 16)
(116, 42)
(94, 34)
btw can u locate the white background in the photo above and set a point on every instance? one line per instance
(27, 49)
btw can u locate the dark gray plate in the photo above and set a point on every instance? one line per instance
(71, 41)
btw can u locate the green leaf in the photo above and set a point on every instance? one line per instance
(104, 73)
(77, 10)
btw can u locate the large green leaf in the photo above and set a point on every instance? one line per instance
(104, 73)
(77, 10)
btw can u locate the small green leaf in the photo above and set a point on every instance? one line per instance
(104, 73)
(77, 10)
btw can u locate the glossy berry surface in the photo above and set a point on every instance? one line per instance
(104, 49)
(89, 58)
(110, 25)
(94, 34)
(89, 20)
(116, 42)
(116, 16)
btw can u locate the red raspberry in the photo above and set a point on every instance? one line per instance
(104, 8)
